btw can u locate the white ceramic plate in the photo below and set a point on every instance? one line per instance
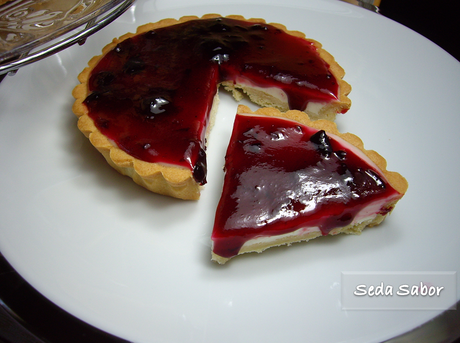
(138, 265)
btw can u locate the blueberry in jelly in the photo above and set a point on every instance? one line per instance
(134, 66)
(220, 58)
(157, 105)
(340, 154)
(322, 143)
(103, 79)
(200, 169)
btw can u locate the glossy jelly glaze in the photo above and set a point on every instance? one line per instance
(153, 92)
(282, 176)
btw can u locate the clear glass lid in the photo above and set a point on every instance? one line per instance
(33, 29)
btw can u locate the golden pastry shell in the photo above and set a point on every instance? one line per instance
(160, 178)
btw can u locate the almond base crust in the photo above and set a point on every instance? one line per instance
(397, 181)
(172, 180)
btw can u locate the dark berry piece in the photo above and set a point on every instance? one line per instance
(322, 143)
(200, 169)
(134, 66)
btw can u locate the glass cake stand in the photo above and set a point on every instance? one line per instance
(31, 30)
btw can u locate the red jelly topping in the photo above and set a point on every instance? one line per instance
(153, 92)
(282, 176)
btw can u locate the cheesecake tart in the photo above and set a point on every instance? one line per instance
(148, 101)
(289, 179)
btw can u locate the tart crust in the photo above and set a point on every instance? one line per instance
(172, 180)
(397, 181)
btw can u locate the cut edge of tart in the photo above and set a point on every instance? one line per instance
(172, 180)
(395, 180)
(272, 98)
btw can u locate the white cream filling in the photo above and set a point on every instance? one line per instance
(314, 107)
(265, 240)
(371, 211)
(272, 91)
(277, 93)
(367, 214)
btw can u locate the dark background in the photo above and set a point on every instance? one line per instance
(436, 20)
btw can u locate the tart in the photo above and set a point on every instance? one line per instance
(147, 103)
(289, 179)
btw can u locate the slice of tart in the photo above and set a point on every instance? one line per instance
(148, 101)
(289, 179)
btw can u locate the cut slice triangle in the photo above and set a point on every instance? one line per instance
(289, 179)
